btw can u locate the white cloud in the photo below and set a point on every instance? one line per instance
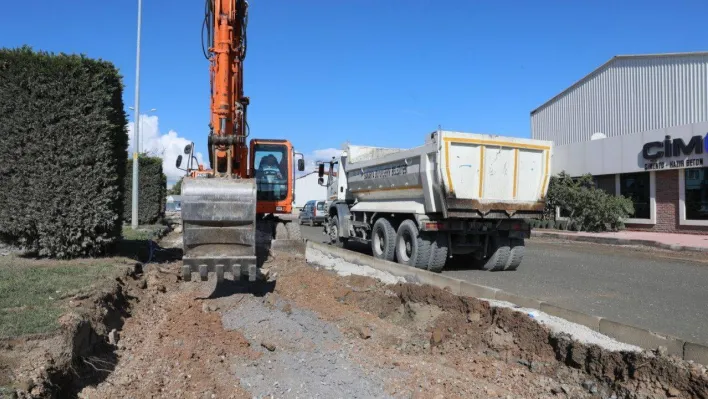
(311, 159)
(167, 146)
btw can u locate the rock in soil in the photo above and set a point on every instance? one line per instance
(268, 345)
(113, 337)
(363, 332)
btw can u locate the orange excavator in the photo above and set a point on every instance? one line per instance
(236, 211)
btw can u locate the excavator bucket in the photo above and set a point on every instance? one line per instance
(219, 227)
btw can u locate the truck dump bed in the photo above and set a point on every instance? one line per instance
(456, 174)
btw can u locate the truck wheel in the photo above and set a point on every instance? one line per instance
(411, 248)
(439, 249)
(334, 238)
(517, 254)
(383, 240)
(500, 254)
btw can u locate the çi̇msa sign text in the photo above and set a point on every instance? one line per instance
(656, 150)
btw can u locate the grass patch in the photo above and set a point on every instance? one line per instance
(136, 243)
(33, 292)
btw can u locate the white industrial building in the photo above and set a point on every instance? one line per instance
(639, 124)
(307, 188)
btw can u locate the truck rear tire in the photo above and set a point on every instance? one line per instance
(411, 248)
(501, 252)
(383, 240)
(439, 249)
(518, 248)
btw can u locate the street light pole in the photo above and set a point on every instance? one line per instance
(134, 218)
(138, 119)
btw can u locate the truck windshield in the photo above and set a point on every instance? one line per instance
(271, 164)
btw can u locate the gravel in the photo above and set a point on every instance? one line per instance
(577, 331)
(311, 357)
(344, 268)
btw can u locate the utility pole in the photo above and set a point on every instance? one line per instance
(136, 138)
(138, 119)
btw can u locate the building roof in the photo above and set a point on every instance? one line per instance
(612, 61)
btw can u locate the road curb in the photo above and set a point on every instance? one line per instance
(626, 333)
(695, 352)
(641, 337)
(591, 322)
(617, 241)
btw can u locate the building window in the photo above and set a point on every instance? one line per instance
(636, 187)
(696, 193)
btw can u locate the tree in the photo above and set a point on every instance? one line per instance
(589, 208)
(176, 188)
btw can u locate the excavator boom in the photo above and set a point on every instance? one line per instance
(228, 210)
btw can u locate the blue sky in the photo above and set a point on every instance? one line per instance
(373, 72)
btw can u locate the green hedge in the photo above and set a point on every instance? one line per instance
(63, 150)
(152, 190)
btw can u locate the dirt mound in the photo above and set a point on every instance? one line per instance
(174, 345)
(61, 363)
(467, 333)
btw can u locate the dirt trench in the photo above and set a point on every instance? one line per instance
(59, 364)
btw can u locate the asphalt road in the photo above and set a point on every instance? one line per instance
(664, 291)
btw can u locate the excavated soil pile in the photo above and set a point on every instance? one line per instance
(504, 348)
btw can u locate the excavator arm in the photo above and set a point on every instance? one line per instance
(225, 24)
(231, 213)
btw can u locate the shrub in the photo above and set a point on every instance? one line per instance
(152, 190)
(63, 141)
(177, 188)
(590, 208)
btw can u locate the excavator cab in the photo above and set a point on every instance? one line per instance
(271, 164)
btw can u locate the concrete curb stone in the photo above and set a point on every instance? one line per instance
(519, 300)
(641, 337)
(617, 241)
(591, 322)
(477, 291)
(697, 353)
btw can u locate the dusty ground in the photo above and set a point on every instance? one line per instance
(309, 333)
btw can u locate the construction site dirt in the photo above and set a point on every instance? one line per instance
(308, 332)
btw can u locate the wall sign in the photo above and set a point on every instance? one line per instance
(671, 148)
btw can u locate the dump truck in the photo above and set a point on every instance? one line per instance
(460, 195)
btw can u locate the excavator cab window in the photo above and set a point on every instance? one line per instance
(271, 163)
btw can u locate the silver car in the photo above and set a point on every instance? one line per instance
(313, 213)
